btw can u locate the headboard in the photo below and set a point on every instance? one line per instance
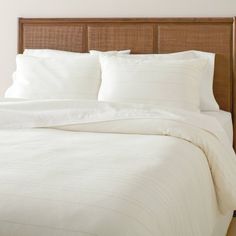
(144, 35)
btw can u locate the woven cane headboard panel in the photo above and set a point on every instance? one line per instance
(147, 35)
(63, 37)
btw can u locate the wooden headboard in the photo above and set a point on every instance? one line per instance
(144, 35)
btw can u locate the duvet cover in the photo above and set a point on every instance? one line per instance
(71, 167)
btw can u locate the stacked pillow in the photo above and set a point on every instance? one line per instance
(54, 74)
(180, 80)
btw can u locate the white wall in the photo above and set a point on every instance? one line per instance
(11, 9)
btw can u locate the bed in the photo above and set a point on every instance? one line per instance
(83, 168)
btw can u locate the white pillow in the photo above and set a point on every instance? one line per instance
(170, 83)
(95, 52)
(56, 78)
(207, 99)
(83, 66)
(50, 53)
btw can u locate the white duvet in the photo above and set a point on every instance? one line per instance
(88, 168)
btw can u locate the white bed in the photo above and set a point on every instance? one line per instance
(77, 175)
(110, 166)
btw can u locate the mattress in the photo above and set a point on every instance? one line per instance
(87, 168)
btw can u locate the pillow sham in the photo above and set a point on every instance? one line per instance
(49, 53)
(98, 53)
(207, 98)
(76, 75)
(169, 83)
(56, 77)
(52, 52)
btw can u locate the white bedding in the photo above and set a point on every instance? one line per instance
(134, 170)
(225, 119)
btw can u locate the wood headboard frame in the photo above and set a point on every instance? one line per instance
(144, 35)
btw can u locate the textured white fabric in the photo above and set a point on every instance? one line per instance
(171, 83)
(53, 53)
(225, 119)
(50, 53)
(76, 76)
(75, 115)
(207, 99)
(73, 183)
(95, 52)
(47, 73)
(123, 182)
